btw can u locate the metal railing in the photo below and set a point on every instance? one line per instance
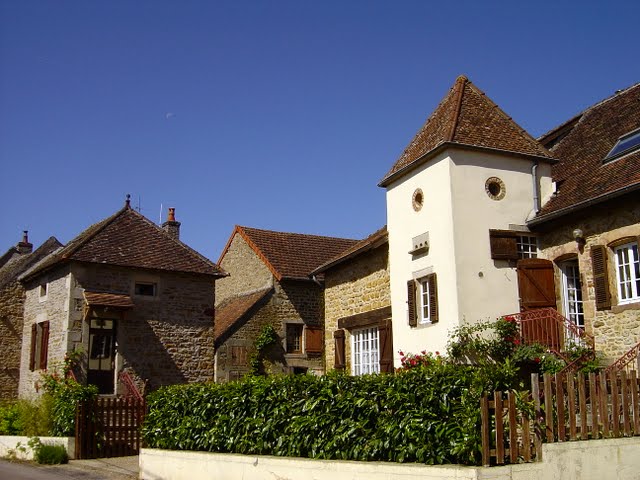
(630, 359)
(132, 390)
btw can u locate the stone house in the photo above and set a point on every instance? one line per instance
(269, 283)
(15, 261)
(358, 327)
(131, 297)
(590, 228)
(484, 221)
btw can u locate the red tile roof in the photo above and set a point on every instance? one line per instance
(128, 239)
(582, 143)
(290, 255)
(466, 117)
(379, 237)
(231, 311)
(103, 299)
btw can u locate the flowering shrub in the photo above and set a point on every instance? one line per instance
(423, 359)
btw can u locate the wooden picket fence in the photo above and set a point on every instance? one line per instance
(559, 408)
(109, 427)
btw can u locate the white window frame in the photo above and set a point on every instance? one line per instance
(572, 301)
(424, 308)
(527, 246)
(628, 272)
(365, 351)
(297, 325)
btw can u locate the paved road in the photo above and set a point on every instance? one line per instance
(76, 470)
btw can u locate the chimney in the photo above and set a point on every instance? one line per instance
(24, 246)
(171, 226)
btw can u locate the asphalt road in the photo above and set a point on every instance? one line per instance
(29, 471)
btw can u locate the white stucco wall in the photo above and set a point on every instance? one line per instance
(612, 459)
(458, 215)
(17, 446)
(404, 223)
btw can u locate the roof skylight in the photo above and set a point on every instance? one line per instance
(625, 144)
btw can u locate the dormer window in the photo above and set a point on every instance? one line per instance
(625, 144)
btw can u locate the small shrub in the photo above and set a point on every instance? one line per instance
(51, 454)
(10, 419)
(34, 416)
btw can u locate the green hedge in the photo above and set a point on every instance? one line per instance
(428, 415)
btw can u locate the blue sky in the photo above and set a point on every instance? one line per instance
(281, 115)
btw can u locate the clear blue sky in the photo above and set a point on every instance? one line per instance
(273, 114)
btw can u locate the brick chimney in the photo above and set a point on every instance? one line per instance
(171, 226)
(24, 246)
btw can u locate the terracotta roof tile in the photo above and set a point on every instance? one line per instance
(292, 255)
(103, 299)
(128, 239)
(231, 310)
(583, 143)
(13, 269)
(466, 116)
(374, 240)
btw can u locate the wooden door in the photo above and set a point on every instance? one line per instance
(101, 368)
(536, 288)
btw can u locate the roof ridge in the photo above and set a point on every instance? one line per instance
(312, 235)
(460, 83)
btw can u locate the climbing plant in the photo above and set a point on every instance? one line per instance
(264, 340)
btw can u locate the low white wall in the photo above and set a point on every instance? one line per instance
(9, 446)
(613, 459)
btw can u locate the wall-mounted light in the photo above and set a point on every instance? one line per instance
(578, 236)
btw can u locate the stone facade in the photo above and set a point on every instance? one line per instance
(164, 339)
(617, 329)
(357, 286)
(11, 307)
(290, 301)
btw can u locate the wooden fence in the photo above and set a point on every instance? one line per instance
(109, 427)
(559, 408)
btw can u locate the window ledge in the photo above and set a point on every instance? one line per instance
(634, 305)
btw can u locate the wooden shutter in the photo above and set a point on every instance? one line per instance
(385, 333)
(313, 340)
(411, 301)
(32, 353)
(600, 278)
(44, 345)
(338, 339)
(433, 298)
(503, 245)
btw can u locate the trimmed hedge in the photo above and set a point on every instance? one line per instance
(428, 415)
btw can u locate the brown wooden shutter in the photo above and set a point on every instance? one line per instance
(385, 333)
(313, 340)
(411, 301)
(32, 353)
(600, 278)
(44, 345)
(338, 339)
(503, 245)
(433, 298)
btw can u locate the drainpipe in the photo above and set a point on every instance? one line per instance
(536, 188)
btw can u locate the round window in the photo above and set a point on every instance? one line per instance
(417, 200)
(495, 188)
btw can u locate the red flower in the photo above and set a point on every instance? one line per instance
(438, 353)
(537, 359)
(516, 342)
(401, 353)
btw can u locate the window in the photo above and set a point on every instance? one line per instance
(425, 314)
(572, 292)
(512, 245)
(527, 246)
(422, 300)
(39, 346)
(145, 289)
(43, 290)
(628, 270)
(294, 337)
(625, 144)
(365, 350)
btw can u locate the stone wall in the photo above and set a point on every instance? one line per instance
(291, 301)
(11, 324)
(356, 286)
(618, 329)
(247, 272)
(54, 308)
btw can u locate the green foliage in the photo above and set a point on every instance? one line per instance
(65, 393)
(48, 454)
(10, 419)
(484, 341)
(427, 414)
(265, 339)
